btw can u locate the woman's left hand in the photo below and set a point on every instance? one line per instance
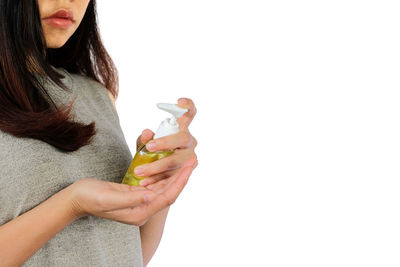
(182, 142)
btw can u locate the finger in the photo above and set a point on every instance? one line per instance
(157, 177)
(124, 187)
(114, 199)
(144, 211)
(155, 167)
(146, 136)
(159, 185)
(187, 118)
(169, 163)
(169, 196)
(181, 139)
(192, 162)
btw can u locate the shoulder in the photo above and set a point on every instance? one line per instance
(89, 82)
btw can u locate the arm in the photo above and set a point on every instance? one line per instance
(151, 233)
(22, 237)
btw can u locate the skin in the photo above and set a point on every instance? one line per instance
(183, 142)
(145, 206)
(161, 173)
(57, 37)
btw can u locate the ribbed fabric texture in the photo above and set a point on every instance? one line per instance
(31, 171)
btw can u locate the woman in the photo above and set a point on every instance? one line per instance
(63, 153)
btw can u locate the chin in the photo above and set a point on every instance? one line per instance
(55, 43)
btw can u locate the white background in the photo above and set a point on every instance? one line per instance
(298, 125)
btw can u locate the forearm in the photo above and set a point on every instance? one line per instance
(151, 233)
(24, 235)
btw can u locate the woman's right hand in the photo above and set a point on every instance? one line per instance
(125, 203)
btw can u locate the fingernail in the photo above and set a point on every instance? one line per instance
(143, 182)
(139, 171)
(149, 197)
(151, 145)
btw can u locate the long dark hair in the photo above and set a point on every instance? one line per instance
(24, 110)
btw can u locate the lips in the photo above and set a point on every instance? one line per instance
(63, 14)
(61, 19)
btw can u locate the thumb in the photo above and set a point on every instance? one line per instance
(186, 118)
(146, 136)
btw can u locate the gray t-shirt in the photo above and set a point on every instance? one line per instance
(31, 171)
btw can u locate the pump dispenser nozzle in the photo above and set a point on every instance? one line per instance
(169, 126)
(175, 110)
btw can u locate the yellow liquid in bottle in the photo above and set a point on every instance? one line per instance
(142, 156)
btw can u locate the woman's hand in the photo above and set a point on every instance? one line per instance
(182, 142)
(124, 203)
